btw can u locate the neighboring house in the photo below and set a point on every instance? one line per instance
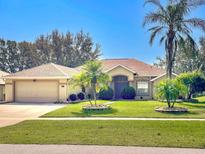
(51, 82)
(2, 85)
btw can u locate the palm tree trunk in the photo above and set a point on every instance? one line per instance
(94, 93)
(168, 103)
(189, 96)
(169, 53)
(173, 103)
(169, 67)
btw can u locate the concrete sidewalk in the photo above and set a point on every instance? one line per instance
(113, 118)
(6, 121)
(90, 149)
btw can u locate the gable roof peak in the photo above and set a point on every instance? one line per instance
(119, 59)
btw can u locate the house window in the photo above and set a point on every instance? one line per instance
(142, 87)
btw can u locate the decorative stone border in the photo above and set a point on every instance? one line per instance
(99, 107)
(171, 110)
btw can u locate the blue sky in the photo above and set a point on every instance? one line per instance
(115, 24)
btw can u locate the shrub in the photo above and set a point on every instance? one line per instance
(81, 96)
(106, 94)
(128, 93)
(73, 97)
(194, 81)
(170, 90)
(89, 96)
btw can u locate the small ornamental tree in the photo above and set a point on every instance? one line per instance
(95, 76)
(81, 81)
(170, 90)
(92, 77)
(194, 81)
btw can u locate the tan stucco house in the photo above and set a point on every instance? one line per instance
(45, 83)
(2, 85)
(50, 82)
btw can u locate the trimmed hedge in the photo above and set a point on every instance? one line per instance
(128, 93)
(73, 97)
(81, 96)
(106, 94)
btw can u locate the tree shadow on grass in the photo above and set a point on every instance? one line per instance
(83, 113)
(188, 113)
(180, 113)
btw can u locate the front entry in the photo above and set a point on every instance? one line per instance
(120, 82)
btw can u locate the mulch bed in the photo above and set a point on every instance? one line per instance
(98, 107)
(171, 109)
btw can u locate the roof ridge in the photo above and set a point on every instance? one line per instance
(55, 65)
(117, 58)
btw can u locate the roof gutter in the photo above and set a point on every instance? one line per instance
(32, 78)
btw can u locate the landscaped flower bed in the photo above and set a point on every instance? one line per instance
(171, 109)
(98, 107)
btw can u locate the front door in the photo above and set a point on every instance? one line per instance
(120, 82)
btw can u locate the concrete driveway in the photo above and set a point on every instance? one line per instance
(13, 113)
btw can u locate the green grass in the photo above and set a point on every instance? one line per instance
(132, 109)
(127, 133)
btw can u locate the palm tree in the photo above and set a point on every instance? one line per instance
(92, 77)
(95, 76)
(171, 24)
(80, 80)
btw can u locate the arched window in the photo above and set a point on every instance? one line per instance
(120, 78)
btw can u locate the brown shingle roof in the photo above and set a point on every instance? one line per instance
(54, 70)
(141, 68)
(45, 70)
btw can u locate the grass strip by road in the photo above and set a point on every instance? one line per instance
(126, 133)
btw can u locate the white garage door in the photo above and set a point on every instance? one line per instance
(36, 91)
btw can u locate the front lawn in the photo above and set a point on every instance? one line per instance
(132, 109)
(127, 133)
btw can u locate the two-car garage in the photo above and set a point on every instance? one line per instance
(36, 91)
(44, 83)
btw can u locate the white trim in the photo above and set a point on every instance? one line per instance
(120, 66)
(162, 76)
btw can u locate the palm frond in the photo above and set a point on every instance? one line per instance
(162, 39)
(155, 2)
(182, 8)
(154, 17)
(192, 3)
(153, 28)
(154, 33)
(196, 22)
(195, 3)
(191, 40)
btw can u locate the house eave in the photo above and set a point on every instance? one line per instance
(120, 66)
(158, 77)
(33, 78)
